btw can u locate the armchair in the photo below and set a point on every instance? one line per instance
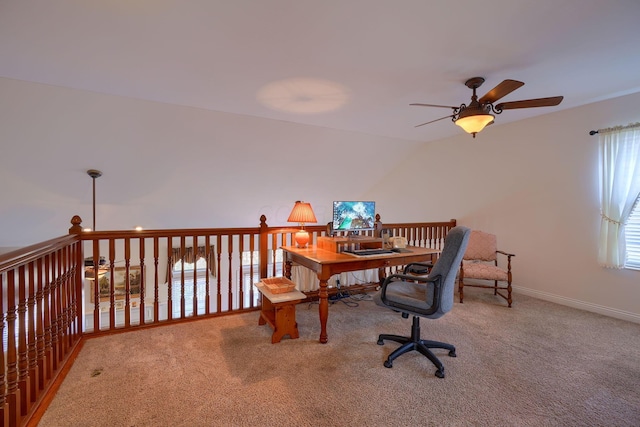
(428, 296)
(480, 262)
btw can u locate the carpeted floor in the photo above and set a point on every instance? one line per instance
(536, 364)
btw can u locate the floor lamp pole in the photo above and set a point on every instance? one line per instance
(93, 173)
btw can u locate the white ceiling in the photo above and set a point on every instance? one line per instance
(372, 58)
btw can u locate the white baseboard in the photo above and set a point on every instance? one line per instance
(587, 306)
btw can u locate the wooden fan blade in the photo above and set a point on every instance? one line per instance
(529, 103)
(503, 89)
(441, 118)
(434, 105)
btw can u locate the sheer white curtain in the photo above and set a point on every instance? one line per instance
(619, 189)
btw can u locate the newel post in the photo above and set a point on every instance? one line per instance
(263, 246)
(377, 232)
(76, 228)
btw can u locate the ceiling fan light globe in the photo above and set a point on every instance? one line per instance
(474, 123)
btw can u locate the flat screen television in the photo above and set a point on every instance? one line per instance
(354, 216)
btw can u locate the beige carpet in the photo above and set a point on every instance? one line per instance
(536, 364)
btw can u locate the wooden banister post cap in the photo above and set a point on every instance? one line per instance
(76, 227)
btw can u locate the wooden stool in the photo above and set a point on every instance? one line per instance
(279, 311)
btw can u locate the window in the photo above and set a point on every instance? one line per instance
(619, 150)
(250, 265)
(191, 270)
(632, 236)
(200, 264)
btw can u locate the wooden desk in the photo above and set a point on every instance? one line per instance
(327, 263)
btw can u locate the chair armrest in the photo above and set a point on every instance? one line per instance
(394, 278)
(508, 262)
(420, 268)
(505, 253)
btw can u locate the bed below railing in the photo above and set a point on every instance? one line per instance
(89, 283)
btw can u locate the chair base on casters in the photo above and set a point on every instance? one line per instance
(415, 343)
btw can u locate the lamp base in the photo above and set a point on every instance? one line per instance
(302, 238)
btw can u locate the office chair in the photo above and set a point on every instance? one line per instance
(480, 262)
(429, 296)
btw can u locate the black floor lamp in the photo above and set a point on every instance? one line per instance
(93, 173)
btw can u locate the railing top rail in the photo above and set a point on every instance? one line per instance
(173, 232)
(278, 230)
(419, 224)
(22, 256)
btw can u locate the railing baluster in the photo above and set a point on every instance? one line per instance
(40, 338)
(169, 279)
(196, 252)
(13, 394)
(65, 280)
(252, 248)
(219, 274)
(142, 284)
(23, 363)
(156, 296)
(55, 287)
(77, 284)
(272, 252)
(230, 275)
(48, 336)
(4, 409)
(59, 307)
(182, 252)
(127, 282)
(112, 291)
(209, 257)
(65, 297)
(96, 285)
(69, 298)
(32, 353)
(241, 272)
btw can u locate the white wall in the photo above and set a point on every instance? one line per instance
(166, 166)
(532, 182)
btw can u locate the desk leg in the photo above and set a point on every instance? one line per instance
(323, 299)
(287, 269)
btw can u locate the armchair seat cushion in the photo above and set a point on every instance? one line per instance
(484, 271)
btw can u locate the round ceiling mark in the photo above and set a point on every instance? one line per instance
(303, 95)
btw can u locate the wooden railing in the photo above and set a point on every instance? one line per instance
(84, 284)
(41, 306)
(423, 234)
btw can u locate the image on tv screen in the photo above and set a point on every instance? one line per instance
(354, 215)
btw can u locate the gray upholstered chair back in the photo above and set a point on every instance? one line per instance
(448, 264)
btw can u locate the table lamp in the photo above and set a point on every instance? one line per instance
(302, 213)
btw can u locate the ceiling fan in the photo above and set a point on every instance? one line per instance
(478, 114)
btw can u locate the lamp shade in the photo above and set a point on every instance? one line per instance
(474, 123)
(302, 213)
